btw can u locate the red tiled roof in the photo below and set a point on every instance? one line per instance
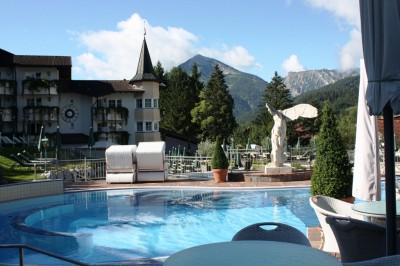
(396, 127)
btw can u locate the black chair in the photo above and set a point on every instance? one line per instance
(358, 240)
(278, 232)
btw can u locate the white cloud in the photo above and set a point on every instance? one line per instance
(237, 56)
(114, 54)
(292, 64)
(347, 11)
(351, 52)
(348, 14)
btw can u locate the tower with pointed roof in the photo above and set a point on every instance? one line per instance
(147, 112)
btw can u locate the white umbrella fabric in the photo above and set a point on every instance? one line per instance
(380, 28)
(366, 174)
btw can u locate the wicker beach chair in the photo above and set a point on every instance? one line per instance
(278, 232)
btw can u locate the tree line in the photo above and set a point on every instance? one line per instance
(206, 111)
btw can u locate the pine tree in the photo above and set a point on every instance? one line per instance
(159, 71)
(196, 86)
(176, 102)
(332, 174)
(214, 112)
(277, 95)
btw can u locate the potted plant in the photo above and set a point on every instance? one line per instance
(219, 163)
(332, 175)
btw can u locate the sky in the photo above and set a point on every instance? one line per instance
(104, 37)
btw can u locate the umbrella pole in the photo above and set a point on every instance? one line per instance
(390, 181)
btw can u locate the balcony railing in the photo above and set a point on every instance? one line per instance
(109, 114)
(39, 87)
(8, 87)
(8, 114)
(43, 113)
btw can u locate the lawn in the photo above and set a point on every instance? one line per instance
(11, 171)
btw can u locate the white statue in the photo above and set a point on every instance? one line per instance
(278, 132)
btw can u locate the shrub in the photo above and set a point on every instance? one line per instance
(205, 148)
(218, 159)
(332, 174)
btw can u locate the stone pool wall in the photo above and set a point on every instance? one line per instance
(25, 190)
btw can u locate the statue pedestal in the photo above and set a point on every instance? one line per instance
(277, 170)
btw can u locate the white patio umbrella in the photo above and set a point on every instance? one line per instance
(366, 174)
(380, 28)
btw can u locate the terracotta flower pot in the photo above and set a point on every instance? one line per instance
(348, 199)
(220, 175)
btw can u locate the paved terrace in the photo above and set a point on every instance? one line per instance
(313, 233)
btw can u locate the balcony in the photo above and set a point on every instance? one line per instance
(8, 114)
(42, 113)
(8, 87)
(39, 87)
(111, 114)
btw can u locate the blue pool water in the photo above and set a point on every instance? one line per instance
(129, 224)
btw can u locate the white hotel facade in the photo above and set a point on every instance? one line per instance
(39, 90)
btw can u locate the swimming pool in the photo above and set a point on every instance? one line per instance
(107, 226)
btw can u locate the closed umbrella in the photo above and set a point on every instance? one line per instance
(224, 145)
(91, 140)
(380, 28)
(40, 141)
(268, 144)
(366, 174)
(57, 141)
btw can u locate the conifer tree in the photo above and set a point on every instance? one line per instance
(277, 95)
(176, 102)
(196, 86)
(214, 112)
(332, 175)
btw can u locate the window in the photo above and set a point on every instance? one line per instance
(147, 103)
(139, 126)
(149, 126)
(155, 126)
(115, 126)
(39, 102)
(30, 102)
(155, 103)
(111, 103)
(139, 103)
(119, 103)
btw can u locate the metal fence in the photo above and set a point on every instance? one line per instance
(76, 170)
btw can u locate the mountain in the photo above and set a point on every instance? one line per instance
(342, 94)
(304, 81)
(246, 89)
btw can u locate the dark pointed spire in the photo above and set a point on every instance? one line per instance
(145, 70)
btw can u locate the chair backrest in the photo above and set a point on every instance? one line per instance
(278, 232)
(331, 206)
(326, 206)
(358, 240)
(393, 260)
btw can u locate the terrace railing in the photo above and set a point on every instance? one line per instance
(77, 170)
(187, 164)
